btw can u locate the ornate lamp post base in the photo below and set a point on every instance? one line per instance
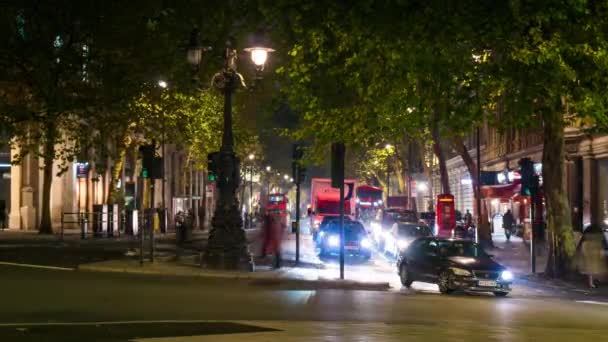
(227, 247)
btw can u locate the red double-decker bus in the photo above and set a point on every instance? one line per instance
(276, 204)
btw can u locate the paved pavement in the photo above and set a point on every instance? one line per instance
(51, 305)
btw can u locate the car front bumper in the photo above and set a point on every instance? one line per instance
(473, 284)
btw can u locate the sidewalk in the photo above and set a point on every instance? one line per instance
(515, 255)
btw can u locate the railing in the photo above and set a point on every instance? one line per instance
(109, 225)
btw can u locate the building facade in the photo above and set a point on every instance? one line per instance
(586, 174)
(79, 188)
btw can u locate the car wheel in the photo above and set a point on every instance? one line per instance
(405, 276)
(501, 294)
(445, 283)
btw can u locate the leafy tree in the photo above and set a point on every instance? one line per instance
(549, 70)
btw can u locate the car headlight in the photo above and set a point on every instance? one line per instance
(460, 271)
(375, 226)
(403, 243)
(321, 233)
(506, 275)
(333, 241)
(366, 243)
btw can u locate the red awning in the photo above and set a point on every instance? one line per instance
(506, 191)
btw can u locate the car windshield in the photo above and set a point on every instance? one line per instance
(461, 248)
(351, 229)
(403, 216)
(332, 219)
(427, 216)
(412, 230)
(369, 195)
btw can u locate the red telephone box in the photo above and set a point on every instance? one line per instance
(445, 216)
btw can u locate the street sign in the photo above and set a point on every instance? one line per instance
(82, 170)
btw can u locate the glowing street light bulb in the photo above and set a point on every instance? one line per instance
(268, 168)
(251, 156)
(162, 84)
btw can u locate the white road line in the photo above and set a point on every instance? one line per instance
(36, 324)
(37, 266)
(592, 302)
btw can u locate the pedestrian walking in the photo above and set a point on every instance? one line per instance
(507, 224)
(180, 229)
(591, 257)
(468, 219)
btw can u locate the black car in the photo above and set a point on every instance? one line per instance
(453, 264)
(356, 242)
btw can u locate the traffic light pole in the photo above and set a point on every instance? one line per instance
(342, 230)
(297, 221)
(532, 240)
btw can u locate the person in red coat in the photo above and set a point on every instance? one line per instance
(273, 228)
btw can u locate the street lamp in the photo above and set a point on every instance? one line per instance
(268, 168)
(227, 246)
(163, 84)
(251, 157)
(388, 148)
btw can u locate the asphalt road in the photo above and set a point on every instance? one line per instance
(120, 307)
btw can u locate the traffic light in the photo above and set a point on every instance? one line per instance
(151, 164)
(297, 152)
(301, 174)
(529, 180)
(213, 164)
(337, 164)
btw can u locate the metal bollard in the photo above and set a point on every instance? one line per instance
(152, 246)
(84, 227)
(142, 235)
(62, 218)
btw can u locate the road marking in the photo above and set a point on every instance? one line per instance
(592, 302)
(164, 321)
(44, 267)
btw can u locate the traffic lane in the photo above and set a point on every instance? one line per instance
(43, 296)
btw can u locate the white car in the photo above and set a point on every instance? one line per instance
(402, 234)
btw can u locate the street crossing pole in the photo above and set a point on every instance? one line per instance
(337, 181)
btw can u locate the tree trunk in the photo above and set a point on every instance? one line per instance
(428, 173)
(443, 171)
(561, 239)
(117, 169)
(46, 225)
(485, 234)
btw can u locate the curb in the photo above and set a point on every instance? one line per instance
(262, 278)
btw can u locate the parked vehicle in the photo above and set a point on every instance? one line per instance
(356, 240)
(454, 265)
(402, 234)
